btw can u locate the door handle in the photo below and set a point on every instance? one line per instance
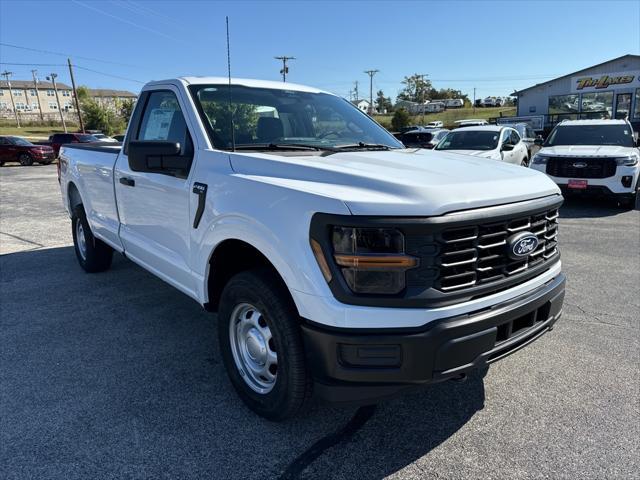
(129, 182)
(199, 189)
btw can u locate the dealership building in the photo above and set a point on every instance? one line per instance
(607, 90)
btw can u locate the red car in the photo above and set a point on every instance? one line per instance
(16, 149)
(58, 139)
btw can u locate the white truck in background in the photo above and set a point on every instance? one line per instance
(337, 261)
(592, 157)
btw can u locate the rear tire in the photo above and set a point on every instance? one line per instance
(261, 345)
(93, 255)
(525, 162)
(25, 160)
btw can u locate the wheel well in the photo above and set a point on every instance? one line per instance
(73, 196)
(229, 258)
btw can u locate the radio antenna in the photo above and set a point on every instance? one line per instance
(233, 130)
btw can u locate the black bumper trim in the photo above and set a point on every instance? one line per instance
(345, 367)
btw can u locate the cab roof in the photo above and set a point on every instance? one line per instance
(597, 121)
(483, 128)
(245, 82)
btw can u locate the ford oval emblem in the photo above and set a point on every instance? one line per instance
(521, 245)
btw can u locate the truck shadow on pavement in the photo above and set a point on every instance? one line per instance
(591, 207)
(119, 375)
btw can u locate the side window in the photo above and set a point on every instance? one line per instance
(163, 120)
(515, 137)
(506, 136)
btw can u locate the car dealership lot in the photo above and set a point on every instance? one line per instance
(119, 375)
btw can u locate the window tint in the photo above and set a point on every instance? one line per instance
(163, 119)
(4, 141)
(617, 134)
(515, 138)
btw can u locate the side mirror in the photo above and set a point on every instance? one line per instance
(507, 147)
(157, 156)
(538, 141)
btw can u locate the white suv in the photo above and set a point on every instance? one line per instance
(592, 156)
(488, 141)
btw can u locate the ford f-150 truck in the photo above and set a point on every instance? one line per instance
(338, 261)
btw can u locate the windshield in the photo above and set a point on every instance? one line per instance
(264, 116)
(470, 140)
(21, 141)
(619, 134)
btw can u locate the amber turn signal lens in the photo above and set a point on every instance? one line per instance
(322, 262)
(376, 261)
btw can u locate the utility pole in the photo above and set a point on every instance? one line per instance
(371, 73)
(285, 69)
(52, 77)
(75, 95)
(35, 85)
(6, 74)
(422, 75)
(355, 91)
(474, 100)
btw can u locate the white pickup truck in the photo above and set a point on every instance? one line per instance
(338, 261)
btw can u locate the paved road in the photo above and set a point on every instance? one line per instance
(118, 375)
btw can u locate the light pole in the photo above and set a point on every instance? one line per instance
(52, 77)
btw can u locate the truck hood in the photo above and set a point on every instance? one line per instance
(399, 182)
(587, 151)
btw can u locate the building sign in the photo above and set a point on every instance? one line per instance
(605, 81)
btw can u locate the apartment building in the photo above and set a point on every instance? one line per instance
(29, 99)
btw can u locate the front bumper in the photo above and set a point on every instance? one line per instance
(625, 181)
(357, 367)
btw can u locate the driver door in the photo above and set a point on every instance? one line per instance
(154, 205)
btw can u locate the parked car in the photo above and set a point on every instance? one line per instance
(528, 136)
(338, 262)
(493, 102)
(423, 138)
(101, 137)
(58, 139)
(592, 157)
(17, 149)
(119, 138)
(470, 122)
(435, 124)
(490, 141)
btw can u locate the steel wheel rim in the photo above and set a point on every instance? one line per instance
(82, 240)
(253, 348)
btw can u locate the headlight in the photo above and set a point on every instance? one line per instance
(539, 159)
(629, 161)
(372, 260)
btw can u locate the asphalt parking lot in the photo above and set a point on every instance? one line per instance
(118, 375)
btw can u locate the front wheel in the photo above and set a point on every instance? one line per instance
(261, 345)
(93, 254)
(25, 160)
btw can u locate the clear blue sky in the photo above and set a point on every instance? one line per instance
(495, 46)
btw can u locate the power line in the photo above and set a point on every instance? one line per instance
(51, 52)
(34, 64)
(109, 74)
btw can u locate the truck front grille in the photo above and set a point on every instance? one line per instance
(475, 255)
(581, 167)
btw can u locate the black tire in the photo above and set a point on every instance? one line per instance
(525, 162)
(46, 162)
(25, 160)
(93, 255)
(627, 201)
(292, 388)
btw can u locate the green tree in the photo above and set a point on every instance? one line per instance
(401, 119)
(125, 109)
(383, 103)
(245, 121)
(416, 88)
(97, 117)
